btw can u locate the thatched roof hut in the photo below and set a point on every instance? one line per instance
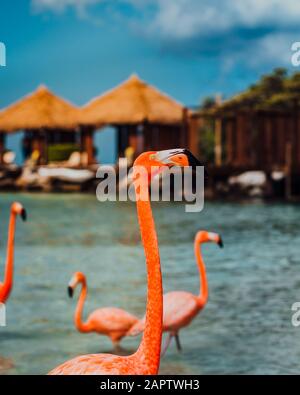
(39, 110)
(145, 118)
(132, 102)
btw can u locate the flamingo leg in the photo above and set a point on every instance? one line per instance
(117, 347)
(167, 343)
(178, 345)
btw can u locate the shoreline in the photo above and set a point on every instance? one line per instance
(239, 186)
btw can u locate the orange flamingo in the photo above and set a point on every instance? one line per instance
(145, 361)
(109, 321)
(180, 307)
(6, 286)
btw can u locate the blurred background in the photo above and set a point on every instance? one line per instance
(88, 82)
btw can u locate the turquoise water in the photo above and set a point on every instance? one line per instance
(245, 328)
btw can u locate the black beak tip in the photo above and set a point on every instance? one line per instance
(194, 162)
(70, 292)
(24, 214)
(220, 243)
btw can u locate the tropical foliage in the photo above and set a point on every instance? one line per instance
(275, 90)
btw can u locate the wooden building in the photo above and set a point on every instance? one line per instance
(266, 139)
(259, 139)
(262, 139)
(145, 118)
(45, 118)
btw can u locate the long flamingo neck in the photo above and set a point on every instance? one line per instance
(80, 325)
(203, 294)
(9, 265)
(148, 354)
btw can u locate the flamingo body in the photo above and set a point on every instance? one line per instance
(180, 307)
(101, 364)
(112, 322)
(109, 321)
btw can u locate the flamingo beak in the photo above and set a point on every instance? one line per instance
(171, 157)
(179, 157)
(70, 292)
(220, 243)
(23, 214)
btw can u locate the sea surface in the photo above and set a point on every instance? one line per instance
(245, 328)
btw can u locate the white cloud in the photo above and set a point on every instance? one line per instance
(255, 31)
(273, 48)
(187, 18)
(182, 19)
(61, 5)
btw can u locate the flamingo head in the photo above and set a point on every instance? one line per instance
(76, 279)
(18, 209)
(167, 158)
(206, 237)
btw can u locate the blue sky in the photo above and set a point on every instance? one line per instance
(188, 48)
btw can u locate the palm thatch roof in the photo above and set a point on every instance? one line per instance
(40, 109)
(132, 102)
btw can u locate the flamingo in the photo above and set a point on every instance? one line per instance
(109, 321)
(181, 307)
(6, 286)
(145, 361)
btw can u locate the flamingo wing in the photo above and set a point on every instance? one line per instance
(111, 319)
(137, 328)
(179, 310)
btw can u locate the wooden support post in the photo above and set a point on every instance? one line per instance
(184, 130)
(193, 124)
(268, 142)
(288, 170)
(218, 135)
(87, 144)
(2, 146)
(42, 147)
(229, 141)
(240, 127)
(218, 142)
(45, 144)
(81, 140)
(281, 140)
(253, 140)
(140, 138)
(295, 136)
